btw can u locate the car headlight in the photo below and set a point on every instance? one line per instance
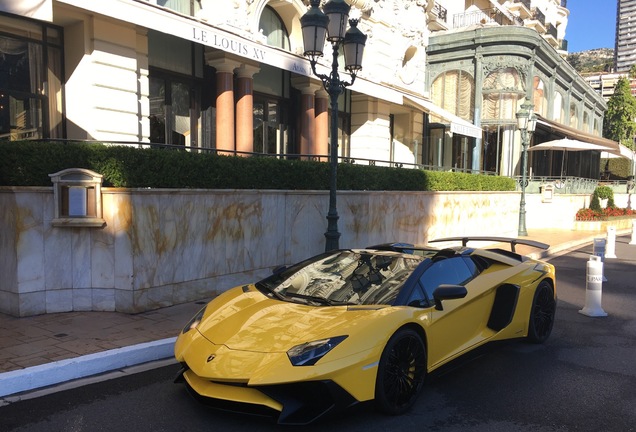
(194, 322)
(309, 353)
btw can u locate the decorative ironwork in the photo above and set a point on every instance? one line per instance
(526, 3)
(484, 16)
(440, 12)
(538, 15)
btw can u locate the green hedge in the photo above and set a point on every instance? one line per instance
(29, 163)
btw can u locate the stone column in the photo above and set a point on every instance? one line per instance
(224, 103)
(308, 88)
(479, 103)
(321, 110)
(245, 108)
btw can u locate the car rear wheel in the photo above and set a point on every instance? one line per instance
(401, 372)
(542, 313)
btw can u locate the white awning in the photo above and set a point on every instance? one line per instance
(457, 124)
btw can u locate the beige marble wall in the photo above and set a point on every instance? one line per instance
(164, 247)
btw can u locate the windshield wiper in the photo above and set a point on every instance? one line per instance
(321, 300)
(269, 291)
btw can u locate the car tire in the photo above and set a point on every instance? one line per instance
(542, 313)
(401, 372)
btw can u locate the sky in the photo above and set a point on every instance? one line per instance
(590, 25)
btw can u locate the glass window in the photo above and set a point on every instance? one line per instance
(502, 91)
(31, 99)
(172, 117)
(574, 116)
(157, 110)
(181, 101)
(268, 139)
(456, 270)
(539, 97)
(453, 90)
(186, 7)
(169, 52)
(269, 80)
(273, 28)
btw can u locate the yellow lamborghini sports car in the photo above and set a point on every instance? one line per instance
(349, 326)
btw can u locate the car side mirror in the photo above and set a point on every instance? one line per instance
(448, 292)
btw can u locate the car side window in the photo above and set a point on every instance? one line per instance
(417, 297)
(456, 270)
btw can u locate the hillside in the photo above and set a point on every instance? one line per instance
(596, 60)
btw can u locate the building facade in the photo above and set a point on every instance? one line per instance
(229, 76)
(210, 74)
(492, 57)
(625, 43)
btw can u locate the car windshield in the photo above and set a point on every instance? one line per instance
(344, 277)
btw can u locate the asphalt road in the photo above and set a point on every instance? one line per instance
(582, 379)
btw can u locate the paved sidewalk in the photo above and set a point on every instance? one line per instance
(46, 350)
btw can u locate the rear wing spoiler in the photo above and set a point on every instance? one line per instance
(512, 241)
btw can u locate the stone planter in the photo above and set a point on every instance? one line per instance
(622, 223)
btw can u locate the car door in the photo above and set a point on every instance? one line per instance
(462, 322)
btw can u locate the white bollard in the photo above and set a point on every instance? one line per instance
(594, 288)
(611, 242)
(599, 250)
(633, 242)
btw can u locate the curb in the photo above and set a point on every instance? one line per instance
(566, 247)
(61, 371)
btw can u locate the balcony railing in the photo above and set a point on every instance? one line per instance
(440, 12)
(564, 3)
(564, 45)
(483, 16)
(539, 16)
(552, 31)
(526, 3)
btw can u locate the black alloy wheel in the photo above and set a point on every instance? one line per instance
(542, 313)
(401, 372)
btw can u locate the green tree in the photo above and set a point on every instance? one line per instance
(619, 122)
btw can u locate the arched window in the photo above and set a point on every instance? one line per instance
(539, 96)
(453, 90)
(586, 122)
(558, 113)
(502, 91)
(274, 29)
(574, 116)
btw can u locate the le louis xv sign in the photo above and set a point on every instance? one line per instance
(254, 51)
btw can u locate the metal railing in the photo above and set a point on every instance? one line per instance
(552, 31)
(539, 16)
(526, 3)
(563, 185)
(440, 12)
(483, 16)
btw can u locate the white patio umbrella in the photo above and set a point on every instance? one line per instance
(566, 144)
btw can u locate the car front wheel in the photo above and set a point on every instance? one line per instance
(542, 313)
(401, 372)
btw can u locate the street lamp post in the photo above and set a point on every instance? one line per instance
(331, 25)
(526, 122)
